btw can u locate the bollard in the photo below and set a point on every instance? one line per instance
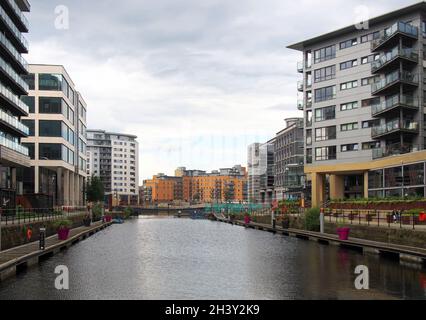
(42, 241)
(322, 220)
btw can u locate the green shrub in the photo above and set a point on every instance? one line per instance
(127, 212)
(96, 211)
(62, 223)
(312, 219)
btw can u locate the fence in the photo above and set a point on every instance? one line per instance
(236, 208)
(376, 218)
(20, 216)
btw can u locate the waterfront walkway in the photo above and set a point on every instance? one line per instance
(29, 254)
(405, 253)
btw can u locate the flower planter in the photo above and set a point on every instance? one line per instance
(63, 234)
(108, 218)
(343, 233)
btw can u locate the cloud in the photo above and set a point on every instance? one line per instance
(197, 81)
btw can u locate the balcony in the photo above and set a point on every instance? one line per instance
(394, 150)
(13, 102)
(300, 105)
(13, 145)
(14, 79)
(15, 56)
(395, 126)
(391, 58)
(13, 124)
(15, 33)
(390, 35)
(392, 79)
(300, 86)
(18, 17)
(300, 67)
(394, 104)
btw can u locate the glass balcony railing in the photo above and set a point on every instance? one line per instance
(14, 122)
(12, 73)
(300, 104)
(13, 145)
(398, 27)
(13, 51)
(394, 125)
(300, 66)
(394, 150)
(19, 13)
(300, 85)
(13, 98)
(18, 35)
(394, 101)
(394, 77)
(407, 53)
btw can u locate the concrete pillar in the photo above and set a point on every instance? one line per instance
(59, 187)
(318, 181)
(72, 189)
(13, 179)
(337, 187)
(366, 184)
(66, 187)
(36, 179)
(77, 190)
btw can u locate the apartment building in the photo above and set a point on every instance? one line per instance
(260, 163)
(114, 157)
(363, 103)
(57, 139)
(223, 185)
(289, 179)
(13, 69)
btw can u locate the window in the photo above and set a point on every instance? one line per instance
(325, 153)
(309, 118)
(370, 145)
(50, 128)
(50, 151)
(30, 102)
(327, 133)
(370, 58)
(349, 85)
(326, 113)
(31, 149)
(370, 123)
(31, 125)
(414, 174)
(50, 82)
(349, 147)
(309, 137)
(369, 81)
(349, 106)
(348, 43)
(50, 105)
(370, 102)
(348, 64)
(30, 80)
(308, 155)
(370, 37)
(393, 177)
(324, 74)
(375, 179)
(349, 126)
(324, 94)
(325, 54)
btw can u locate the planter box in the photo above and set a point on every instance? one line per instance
(63, 234)
(108, 218)
(343, 233)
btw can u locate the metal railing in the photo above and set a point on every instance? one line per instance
(393, 125)
(20, 216)
(406, 100)
(18, 35)
(401, 27)
(13, 51)
(394, 149)
(376, 218)
(393, 77)
(408, 53)
(19, 13)
(13, 98)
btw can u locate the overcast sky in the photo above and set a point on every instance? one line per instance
(195, 80)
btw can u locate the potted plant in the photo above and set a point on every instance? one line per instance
(343, 232)
(63, 227)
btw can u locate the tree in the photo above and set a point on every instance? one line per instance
(95, 190)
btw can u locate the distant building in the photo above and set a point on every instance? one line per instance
(114, 157)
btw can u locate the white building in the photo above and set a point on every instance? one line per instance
(114, 157)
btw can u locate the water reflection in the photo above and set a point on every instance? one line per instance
(187, 259)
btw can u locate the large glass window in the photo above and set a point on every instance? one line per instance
(375, 179)
(324, 74)
(50, 82)
(324, 54)
(326, 113)
(50, 128)
(30, 80)
(325, 153)
(348, 43)
(30, 102)
(31, 125)
(414, 175)
(348, 64)
(327, 133)
(324, 94)
(31, 149)
(309, 118)
(393, 177)
(50, 105)
(50, 151)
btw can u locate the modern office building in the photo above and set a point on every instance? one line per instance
(13, 69)
(260, 163)
(289, 182)
(114, 157)
(363, 103)
(56, 141)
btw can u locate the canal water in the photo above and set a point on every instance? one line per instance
(152, 258)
